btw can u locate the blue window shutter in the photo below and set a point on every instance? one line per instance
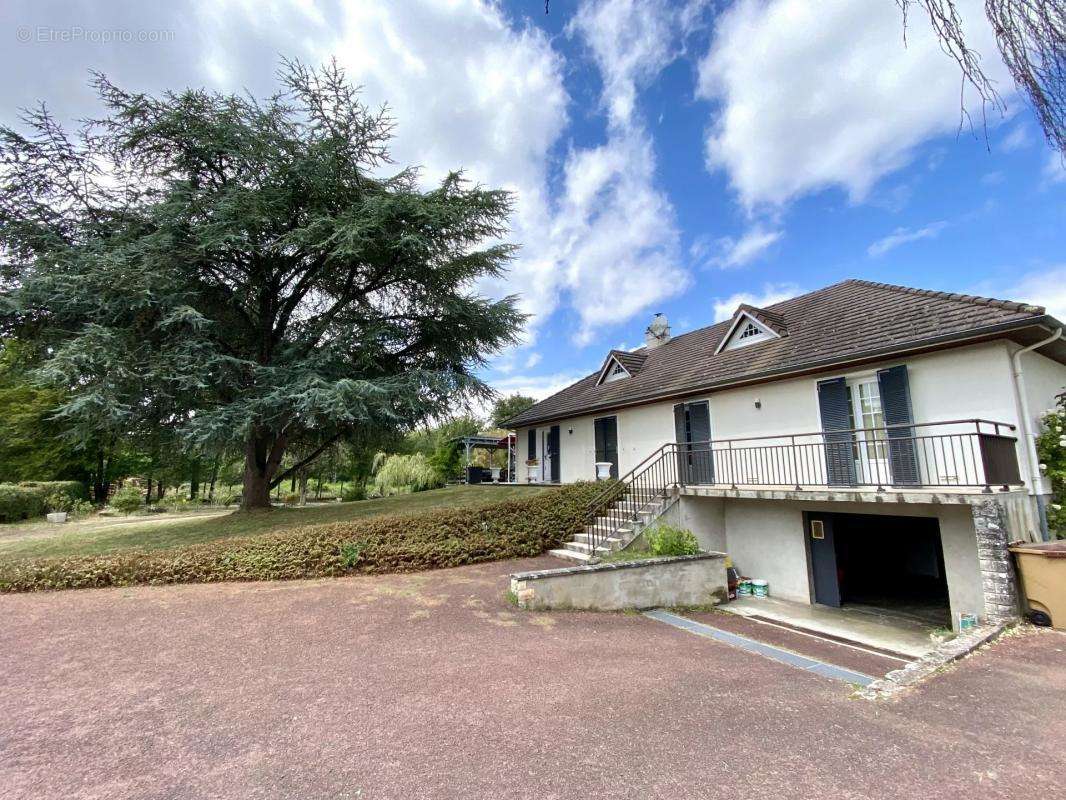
(836, 423)
(699, 425)
(531, 448)
(553, 452)
(895, 390)
(681, 435)
(679, 424)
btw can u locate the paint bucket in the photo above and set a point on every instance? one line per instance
(744, 588)
(760, 588)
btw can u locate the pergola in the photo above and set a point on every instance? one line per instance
(486, 441)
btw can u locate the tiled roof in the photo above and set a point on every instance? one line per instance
(632, 361)
(771, 319)
(844, 322)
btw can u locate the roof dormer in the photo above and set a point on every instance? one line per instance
(620, 365)
(750, 326)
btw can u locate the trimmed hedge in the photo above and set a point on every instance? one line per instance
(400, 543)
(30, 499)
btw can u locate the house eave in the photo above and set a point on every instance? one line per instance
(974, 336)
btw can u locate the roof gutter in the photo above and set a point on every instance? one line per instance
(1038, 479)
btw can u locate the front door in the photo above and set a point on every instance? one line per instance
(606, 429)
(819, 531)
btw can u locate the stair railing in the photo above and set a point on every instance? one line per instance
(648, 482)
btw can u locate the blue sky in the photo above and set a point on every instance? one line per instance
(679, 157)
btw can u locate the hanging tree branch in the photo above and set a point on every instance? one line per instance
(1031, 35)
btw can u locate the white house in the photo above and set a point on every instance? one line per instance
(863, 443)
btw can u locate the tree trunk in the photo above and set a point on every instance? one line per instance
(303, 488)
(101, 488)
(256, 490)
(160, 489)
(262, 457)
(148, 494)
(194, 479)
(214, 480)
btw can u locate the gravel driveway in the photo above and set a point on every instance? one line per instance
(430, 685)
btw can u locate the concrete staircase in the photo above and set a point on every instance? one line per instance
(626, 518)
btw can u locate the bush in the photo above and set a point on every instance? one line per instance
(356, 491)
(1051, 447)
(666, 540)
(402, 474)
(57, 501)
(72, 489)
(291, 499)
(127, 499)
(228, 497)
(21, 502)
(401, 543)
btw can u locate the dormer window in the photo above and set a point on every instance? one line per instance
(749, 331)
(615, 372)
(620, 365)
(750, 326)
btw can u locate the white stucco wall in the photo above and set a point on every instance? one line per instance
(1044, 381)
(766, 539)
(962, 383)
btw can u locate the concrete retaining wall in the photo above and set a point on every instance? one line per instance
(647, 583)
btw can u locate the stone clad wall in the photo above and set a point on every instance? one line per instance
(998, 580)
(647, 583)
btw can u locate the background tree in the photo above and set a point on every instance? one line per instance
(247, 267)
(32, 446)
(506, 407)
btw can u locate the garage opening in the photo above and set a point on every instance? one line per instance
(887, 564)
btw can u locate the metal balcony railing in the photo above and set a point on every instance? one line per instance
(971, 453)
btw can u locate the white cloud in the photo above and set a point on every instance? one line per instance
(497, 107)
(1045, 287)
(537, 386)
(631, 41)
(614, 233)
(902, 236)
(815, 95)
(1017, 138)
(771, 293)
(728, 252)
(1055, 168)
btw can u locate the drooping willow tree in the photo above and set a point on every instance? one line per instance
(1031, 35)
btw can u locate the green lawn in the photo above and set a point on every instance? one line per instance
(98, 536)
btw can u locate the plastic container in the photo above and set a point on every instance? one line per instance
(1042, 568)
(744, 587)
(760, 588)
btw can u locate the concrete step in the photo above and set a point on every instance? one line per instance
(581, 547)
(584, 537)
(632, 506)
(571, 556)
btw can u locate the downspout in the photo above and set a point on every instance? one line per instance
(1023, 422)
